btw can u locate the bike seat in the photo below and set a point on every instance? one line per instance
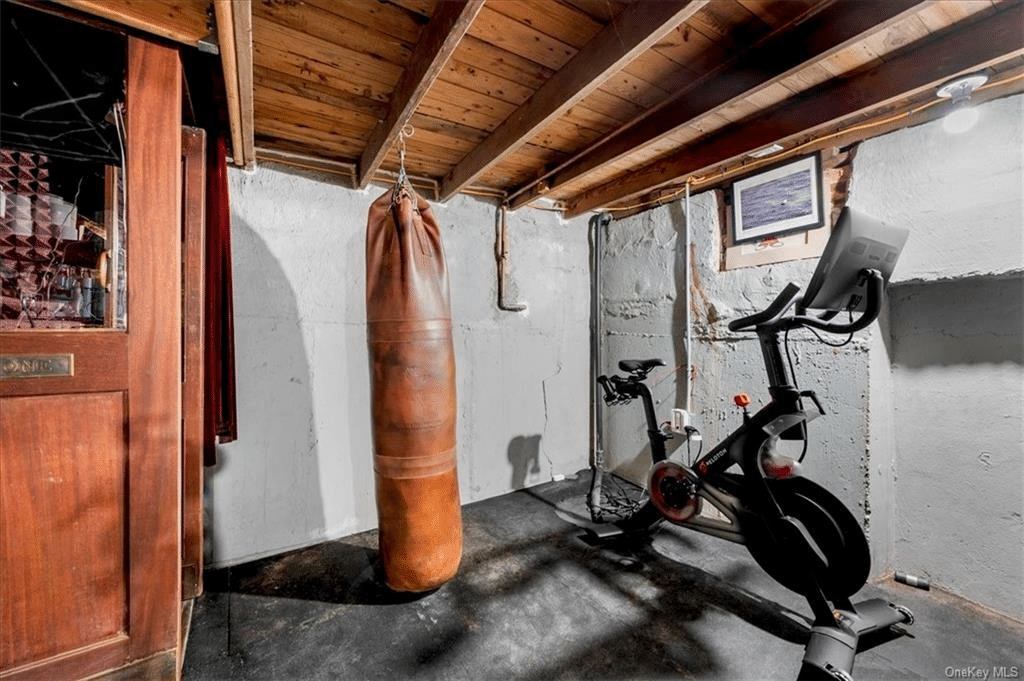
(644, 365)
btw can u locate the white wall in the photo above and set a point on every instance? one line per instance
(960, 195)
(301, 470)
(948, 380)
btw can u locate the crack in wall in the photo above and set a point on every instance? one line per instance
(547, 416)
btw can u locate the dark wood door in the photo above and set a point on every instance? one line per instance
(90, 464)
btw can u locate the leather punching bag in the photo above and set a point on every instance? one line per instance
(412, 385)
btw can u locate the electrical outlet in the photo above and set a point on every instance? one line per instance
(680, 420)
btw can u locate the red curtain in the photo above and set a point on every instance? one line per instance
(220, 418)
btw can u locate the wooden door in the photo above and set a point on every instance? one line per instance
(90, 464)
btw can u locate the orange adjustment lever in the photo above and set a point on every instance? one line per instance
(742, 400)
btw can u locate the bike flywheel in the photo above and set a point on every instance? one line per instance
(836, 533)
(673, 491)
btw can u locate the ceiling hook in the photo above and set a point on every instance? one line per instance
(406, 131)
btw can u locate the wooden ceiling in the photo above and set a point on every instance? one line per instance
(588, 103)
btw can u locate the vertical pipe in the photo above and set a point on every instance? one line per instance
(595, 337)
(501, 253)
(687, 405)
(597, 225)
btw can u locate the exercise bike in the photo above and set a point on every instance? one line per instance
(796, 530)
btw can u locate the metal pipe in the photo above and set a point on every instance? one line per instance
(501, 254)
(687, 405)
(597, 224)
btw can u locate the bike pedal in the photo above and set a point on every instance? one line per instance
(606, 531)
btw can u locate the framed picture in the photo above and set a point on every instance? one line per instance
(779, 200)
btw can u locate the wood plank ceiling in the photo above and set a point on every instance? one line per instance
(591, 104)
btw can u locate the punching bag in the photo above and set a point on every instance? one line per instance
(412, 385)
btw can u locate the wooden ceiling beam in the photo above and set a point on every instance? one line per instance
(1007, 82)
(183, 22)
(234, 35)
(242, 16)
(975, 45)
(774, 58)
(437, 43)
(636, 29)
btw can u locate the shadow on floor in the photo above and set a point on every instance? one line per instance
(532, 601)
(333, 572)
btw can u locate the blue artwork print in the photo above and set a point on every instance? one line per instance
(781, 199)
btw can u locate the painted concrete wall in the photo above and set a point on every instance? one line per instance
(960, 195)
(948, 380)
(958, 390)
(301, 470)
(644, 277)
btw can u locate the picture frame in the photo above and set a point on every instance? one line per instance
(779, 200)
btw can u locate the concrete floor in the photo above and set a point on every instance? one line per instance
(535, 602)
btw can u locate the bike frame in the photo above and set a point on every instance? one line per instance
(739, 496)
(742, 447)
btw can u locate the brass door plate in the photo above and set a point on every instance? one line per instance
(36, 366)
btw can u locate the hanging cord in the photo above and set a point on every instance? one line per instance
(796, 384)
(792, 371)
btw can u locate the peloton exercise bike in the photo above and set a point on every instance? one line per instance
(801, 534)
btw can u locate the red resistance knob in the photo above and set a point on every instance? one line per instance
(742, 400)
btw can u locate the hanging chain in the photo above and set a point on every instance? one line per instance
(406, 131)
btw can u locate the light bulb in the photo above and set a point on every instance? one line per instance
(960, 120)
(962, 116)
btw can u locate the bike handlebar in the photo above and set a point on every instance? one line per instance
(771, 316)
(875, 286)
(782, 302)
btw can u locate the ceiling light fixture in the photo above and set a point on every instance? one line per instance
(962, 116)
(766, 151)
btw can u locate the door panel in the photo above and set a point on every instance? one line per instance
(99, 361)
(90, 464)
(63, 535)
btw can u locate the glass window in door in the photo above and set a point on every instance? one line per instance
(62, 227)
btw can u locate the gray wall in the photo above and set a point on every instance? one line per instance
(925, 435)
(957, 351)
(301, 470)
(948, 382)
